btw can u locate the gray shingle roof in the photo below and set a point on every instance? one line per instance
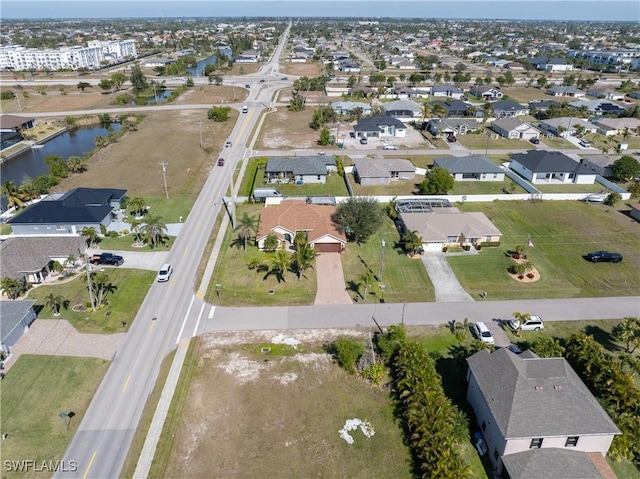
(372, 123)
(550, 462)
(537, 397)
(539, 161)
(301, 165)
(25, 254)
(508, 105)
(467, 164)
(12, 314)
(381, 168)
(402, 105)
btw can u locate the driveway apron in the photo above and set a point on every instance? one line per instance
(446, 285)
(331, 289)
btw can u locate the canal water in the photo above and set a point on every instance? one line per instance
(71, 143)
(198, 70)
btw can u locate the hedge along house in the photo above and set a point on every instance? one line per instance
(288, 218)
(447, 226)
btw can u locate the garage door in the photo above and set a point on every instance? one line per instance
(328, 247)
(432, 246)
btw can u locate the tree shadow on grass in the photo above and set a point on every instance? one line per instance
(354, 287)
(603, 337)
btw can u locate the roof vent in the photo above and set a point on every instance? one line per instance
(539, 388)
(557, 387)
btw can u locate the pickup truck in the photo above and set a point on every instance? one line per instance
(107, 258)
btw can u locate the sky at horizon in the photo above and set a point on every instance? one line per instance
(576, 10)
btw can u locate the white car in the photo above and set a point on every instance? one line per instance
(481, 332)
(166, 270)
(389, 147)
(585, 143)
(534, 323)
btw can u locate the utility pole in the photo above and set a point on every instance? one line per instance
(201, 135)
(164, 175)
(382, 245)
(88, 268)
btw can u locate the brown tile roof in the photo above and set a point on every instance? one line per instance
(11, 121)
(22, 254)
(297, 215)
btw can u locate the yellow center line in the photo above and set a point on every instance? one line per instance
(126, 383)
(153, 325)
(86, 472)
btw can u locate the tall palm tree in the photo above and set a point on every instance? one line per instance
(427, 110)
(521, 318)
(154, 231)
(56, 301)
(303, 258)
(137, 205)
(247, 225)
(90, 235)
(14, 195)
(365, 279)
(412, 242)
(628, 331)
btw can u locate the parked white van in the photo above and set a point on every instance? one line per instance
(262, 193)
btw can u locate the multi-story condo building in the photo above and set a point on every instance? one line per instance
(16, 57)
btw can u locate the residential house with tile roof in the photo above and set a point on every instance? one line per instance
(563, 90)
(508, 108)
(541, 167)
(378, 126)
(515, 128)
(291, 216)
(403, 110)
(455, 126)
(536, 410)
(447, 90)
(382, 171)
(300, 169)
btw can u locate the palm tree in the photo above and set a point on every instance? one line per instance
(439, 111)
(136, 230)
(90, 235)
(366, 279)
(14, 195)
(412, 242)
(303, 258)
(76, 164)
(55, 302)
(521, 318)
(279, 263)
(154, 231)
(628, 331)
(247, 225)
(137, 205)
(427, 110)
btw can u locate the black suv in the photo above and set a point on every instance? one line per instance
(604, 256)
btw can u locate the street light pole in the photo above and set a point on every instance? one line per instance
(164, 175)
(382, 245)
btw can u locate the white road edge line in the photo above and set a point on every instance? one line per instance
(186, 316)
(213, 310)
(195, 330)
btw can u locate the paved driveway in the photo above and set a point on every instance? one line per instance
(446, 285)
(331, 288)
(146, 259)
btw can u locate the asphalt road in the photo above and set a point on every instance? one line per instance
(170, 314)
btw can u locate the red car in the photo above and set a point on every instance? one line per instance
(220, 161)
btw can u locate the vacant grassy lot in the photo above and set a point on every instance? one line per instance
(53, 101)
(34, 392)
(562, 232)
(524, 95)
(485, 187)
(130, 289)
(405, 278)
(302, 69)
(395, 188)
(287, 130)
(225, 430)
(483, 142)
(244, 287)
(212, 94)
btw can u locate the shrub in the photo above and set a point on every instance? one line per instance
(490, 244)
(347, 351)
(444, 249)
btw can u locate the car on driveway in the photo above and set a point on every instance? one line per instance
(534, 323)
(363, 141)
(584, 144)
(481, 332)
(535, 140)
(451, 138)
(604, 257)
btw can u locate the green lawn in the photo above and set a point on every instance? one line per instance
(5, 229)
(405, 278)
(571, 188)
(484, 187)
(483, 142)
(244, 287)
(35, 390)
(558, 143)
(131, 288)
(562, 232)
(125, 243)
(169, 210)
(394, 188)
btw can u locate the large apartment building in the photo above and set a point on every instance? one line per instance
(16, 57)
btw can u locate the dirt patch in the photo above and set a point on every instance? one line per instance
(244, 416)
(171, 137)
(284, 129)
(54, 101)
(212, 94)
(301, 69)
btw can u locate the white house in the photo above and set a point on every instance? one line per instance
(514, 128)
(543, 167)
